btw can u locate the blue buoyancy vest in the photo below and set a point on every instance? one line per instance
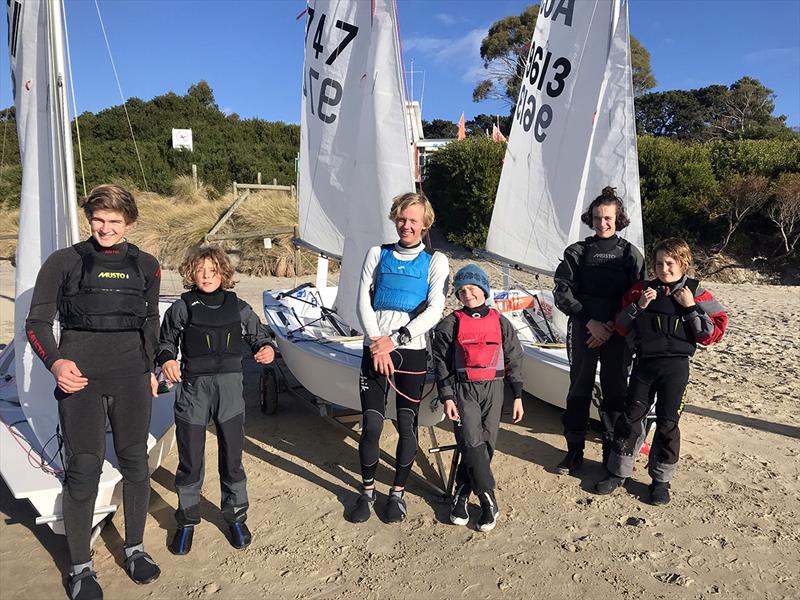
(401, 285)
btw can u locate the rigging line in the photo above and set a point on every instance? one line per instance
(121, 95)
(74, 103)
(3, 154)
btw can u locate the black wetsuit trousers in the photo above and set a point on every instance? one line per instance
(374, 389)
(614, 357)
(126, 403)
(667, 379)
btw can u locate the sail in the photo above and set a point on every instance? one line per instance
(613, 159)
(47, 213)
(573, 133)
(354, 142)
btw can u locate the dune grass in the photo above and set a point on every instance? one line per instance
(169, 225)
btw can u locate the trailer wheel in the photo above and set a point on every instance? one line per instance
(268, 391)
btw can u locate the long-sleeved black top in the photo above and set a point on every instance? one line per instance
(444, 345)
(255, 334)
(593, 276)
(98, 354)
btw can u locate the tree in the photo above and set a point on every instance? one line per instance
(741, 196)
(462, 183)
(683, 114)
(480, 124)
(439, 129)
(784, 211)
(504, 51)
(746, 111)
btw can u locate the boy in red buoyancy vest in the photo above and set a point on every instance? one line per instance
(667, 316)
(475, 349)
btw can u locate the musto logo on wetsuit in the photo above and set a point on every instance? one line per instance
(110, 294)
(479, 356)
(212, 341)
(401, 285)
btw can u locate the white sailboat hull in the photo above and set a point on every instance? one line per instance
(20, 451)
(325, 363)
(545, 367)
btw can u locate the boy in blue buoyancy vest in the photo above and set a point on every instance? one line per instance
(475, 350)
(209, 323)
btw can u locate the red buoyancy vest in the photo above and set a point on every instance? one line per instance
(479, 356)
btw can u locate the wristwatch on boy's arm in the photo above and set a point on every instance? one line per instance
(401, 337)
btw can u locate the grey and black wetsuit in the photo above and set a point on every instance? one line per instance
(589, 284)
(209, 330)
(107, 301)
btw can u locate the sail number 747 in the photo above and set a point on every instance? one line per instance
(326, 94)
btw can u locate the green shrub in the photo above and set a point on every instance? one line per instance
(677, 185)
(462, 183)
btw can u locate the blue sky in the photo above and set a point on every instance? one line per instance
(251, 52)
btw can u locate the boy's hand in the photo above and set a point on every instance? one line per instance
(451, 410)
(153, 385)
(684, 297)
(383, 364)
(517, 412)
(172, 370)
(646, 298)
(381, 345)
(265, 355)
(599, 333)
(68, 376)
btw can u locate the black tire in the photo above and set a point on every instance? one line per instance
(268, 391)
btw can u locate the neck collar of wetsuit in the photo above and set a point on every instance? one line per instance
(215, 298)
(479, 311)
(116, 250)
(674, 286)
(409, 250)
(605, 243)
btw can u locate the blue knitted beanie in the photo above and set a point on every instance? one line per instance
(471, 275)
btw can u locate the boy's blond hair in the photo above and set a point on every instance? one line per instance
(111, 197)
(676, 248)
(403, 201)
(195, 257)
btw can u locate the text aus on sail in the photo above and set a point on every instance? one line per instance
(545, 77)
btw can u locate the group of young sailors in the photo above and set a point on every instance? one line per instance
(105, 293)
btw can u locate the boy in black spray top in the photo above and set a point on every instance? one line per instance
(474, 350)
(667, 317)
(209, 324)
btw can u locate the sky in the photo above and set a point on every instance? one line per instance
(251, 53)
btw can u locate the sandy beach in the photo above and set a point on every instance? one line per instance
(732, 529)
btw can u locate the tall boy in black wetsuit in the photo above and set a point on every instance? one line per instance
(208, 324)
(589, 284)
(105, 291)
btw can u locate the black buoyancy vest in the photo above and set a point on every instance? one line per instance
(604, 277)
(660, 329)
(110, 294)
(212, 339)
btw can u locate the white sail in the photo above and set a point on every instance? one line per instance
(47, 216)
(613, 159)
(354, 143)
(573, 133)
